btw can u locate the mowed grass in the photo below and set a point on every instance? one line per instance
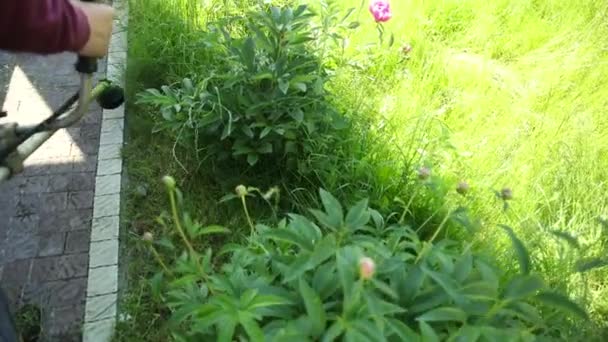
(505, 93)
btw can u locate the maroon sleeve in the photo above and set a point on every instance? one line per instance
(42, 26)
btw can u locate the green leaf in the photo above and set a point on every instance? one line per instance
(358, 216)
(463, 267)
(380, 308)
(479, 289)
(213, 230)
(408, 288)
(332, 208)
(487, 273)
(346, 261)
(301, 9)
(265, 148)
(314, 308)
(522, 253)
(354, 334)
(247, 297)
(369, 330)
(384, 288)
(304, 227)
(208, 315)
(428, 334)
(265, 75)
(333, 332)
(252, 328)
(156, 283)
(291, 147)
(323, 250)
(297, 115)
(429, 299)
(227, 131)
(247, 130)
(523, 286)
(265, 132)
(283, 86)
(262, 301)
(248, 53)
(404, 332)
(324, 219)
(588, 264)
(225, 329)
(377, 218)
(443, 314)
(297, 268)
(569, 238)
(446, 283)
(467, 333)
(240, 148)
(353, 25)
(529, 312)
(230, 248)
(252, 158)
(300, 86)
(561, 302)
(325, 280)
(289, 236)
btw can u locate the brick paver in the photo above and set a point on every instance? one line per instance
(46, 212)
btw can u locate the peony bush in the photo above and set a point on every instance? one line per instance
(341, 274)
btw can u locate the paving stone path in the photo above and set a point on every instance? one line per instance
(46, 212)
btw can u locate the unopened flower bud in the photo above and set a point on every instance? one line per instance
(462, 188)
(169, 182)
(241, 191)
(405, 49)
(148, 237)
(367, 267)
(506, 194)
(424, 173)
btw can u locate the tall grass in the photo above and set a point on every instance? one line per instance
(507, 94)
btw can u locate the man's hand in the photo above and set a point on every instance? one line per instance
(100, 23)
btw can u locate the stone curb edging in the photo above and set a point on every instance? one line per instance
(102, 286)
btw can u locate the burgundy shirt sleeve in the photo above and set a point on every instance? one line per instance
(42, 26)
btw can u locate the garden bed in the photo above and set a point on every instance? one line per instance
(473, 129)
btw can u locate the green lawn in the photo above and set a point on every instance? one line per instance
(504, 93)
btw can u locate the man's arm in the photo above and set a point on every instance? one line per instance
(51, 26)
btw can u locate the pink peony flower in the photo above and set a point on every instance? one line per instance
(381, 10)
(367, 267)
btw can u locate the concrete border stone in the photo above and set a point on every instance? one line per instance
(102, 287)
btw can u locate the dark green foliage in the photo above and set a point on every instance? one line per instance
(303, 279)
(263, 93)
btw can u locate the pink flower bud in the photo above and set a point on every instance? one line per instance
(148, 237)
(381, 10)
(424, 173)
(462, 188)
(367, 267)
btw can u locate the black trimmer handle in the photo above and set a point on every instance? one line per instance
(86, 65)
